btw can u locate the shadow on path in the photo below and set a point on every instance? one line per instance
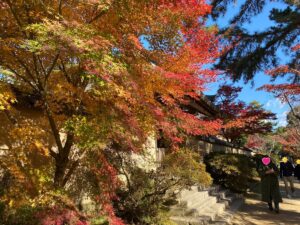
(256, 212)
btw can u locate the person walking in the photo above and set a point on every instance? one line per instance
(286, 173)
(297, 170)
(268, 172)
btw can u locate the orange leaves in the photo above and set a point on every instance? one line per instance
(83, 64)
(287, 92)
(137, 44)
(289, 139)
(187, 7)
(256, 142)
(6, 99)
(283, 90)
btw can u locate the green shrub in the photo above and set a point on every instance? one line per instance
(145, 200)
(233, 171)
(24, 215)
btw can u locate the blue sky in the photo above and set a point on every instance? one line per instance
(249, 92)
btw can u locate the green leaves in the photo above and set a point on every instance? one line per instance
(234, 171)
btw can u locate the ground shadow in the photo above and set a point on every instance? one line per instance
(256, 212)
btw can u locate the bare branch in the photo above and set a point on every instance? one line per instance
(21, 77)
(63, 69)
(52, 66)
(25, 67)
(291, 107)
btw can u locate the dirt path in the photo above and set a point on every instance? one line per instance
(256, 212)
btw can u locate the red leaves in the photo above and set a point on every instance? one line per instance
(108, 179)
(107, 176)
(287, 92)
(255, 141)
(89, 57)
(238, 117)
(113, 220)
(283, 91)
(59, 216)
(188, 7)
(289, 139)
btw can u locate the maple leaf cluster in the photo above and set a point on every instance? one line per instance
(99, 73)
(241, 119)
(255, 142)
(288, 93)
(290, 140)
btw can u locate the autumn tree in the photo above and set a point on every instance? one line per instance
(241, 119)
(82, 67)
(255, 141)
(288, 93)
(292, 116)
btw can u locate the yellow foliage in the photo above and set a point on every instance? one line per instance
(6, 99)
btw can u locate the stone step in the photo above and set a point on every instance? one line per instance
(188, 193)
(193, 199)
(226, 216)
(201, 205)
(195, 188)
(228, 200)
(205, 217)
(212, 211)
(178, 211)
(193, 208)
(200, 208)
(221, 194)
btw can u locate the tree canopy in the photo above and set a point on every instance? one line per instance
(82, 67)
(254, 52)
(241, 119)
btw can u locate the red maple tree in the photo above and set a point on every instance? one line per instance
(241, 119)
(84, 67)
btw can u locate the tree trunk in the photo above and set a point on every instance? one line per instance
(60, 170)
(61, 163)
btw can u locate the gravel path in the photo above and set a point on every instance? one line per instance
(256, 212)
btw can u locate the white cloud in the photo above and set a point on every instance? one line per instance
(275, 104)
(281, 118)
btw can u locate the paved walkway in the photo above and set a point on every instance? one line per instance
(255, 212)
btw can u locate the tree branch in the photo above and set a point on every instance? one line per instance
(70, 172)
(52, 153)
(25, 67)
(291, 107)
(60, 7)
(16, 17)
(63, 69)
(51, 67)
(124, 171)
(21, 77)
(53, 126)
(101, 13)
(10, 117)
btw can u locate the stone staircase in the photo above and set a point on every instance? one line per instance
(199, 207)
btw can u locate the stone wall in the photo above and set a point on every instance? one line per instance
(208, 147)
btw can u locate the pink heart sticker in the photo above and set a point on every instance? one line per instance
(266, 160)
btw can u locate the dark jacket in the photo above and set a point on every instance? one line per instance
(297, 171)
(269, 183)
(286, 169)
